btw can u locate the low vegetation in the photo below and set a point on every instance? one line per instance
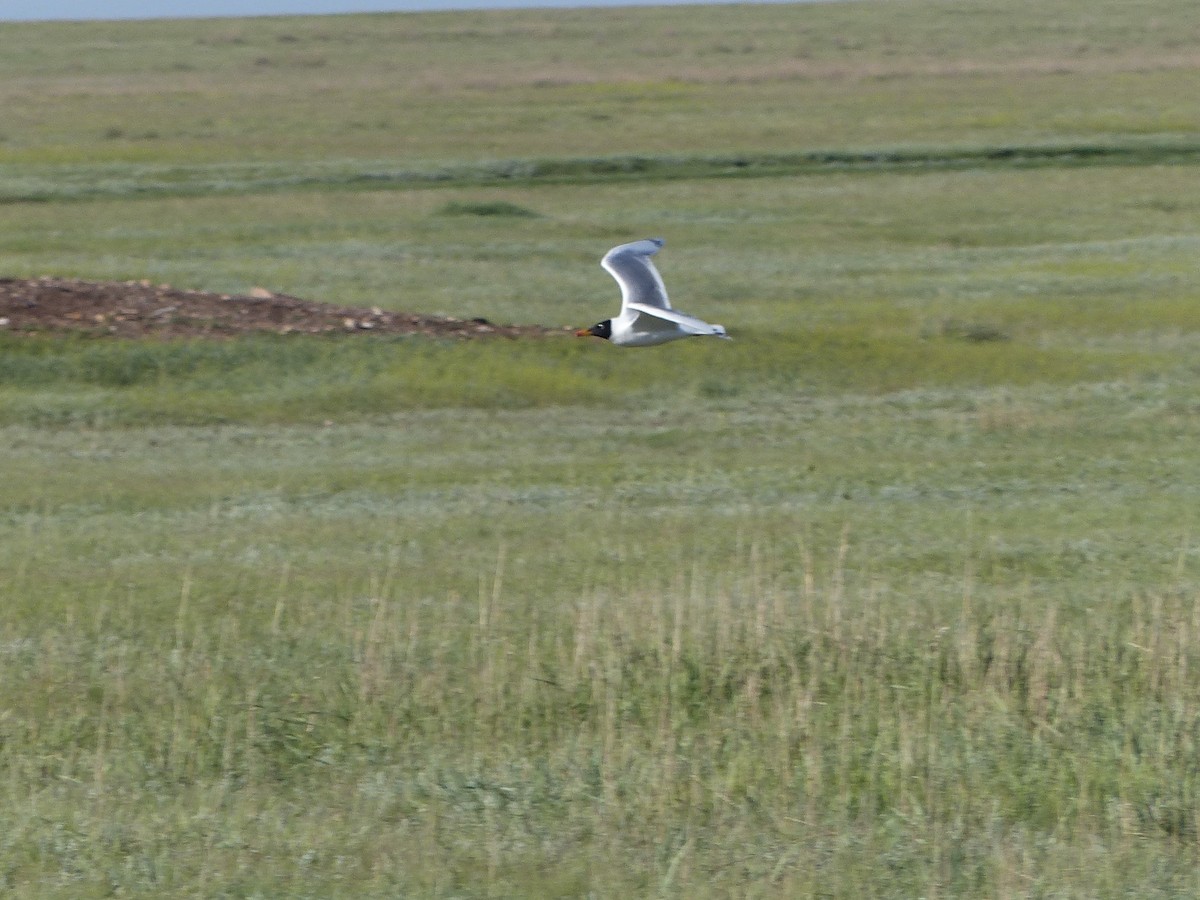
(895, 594)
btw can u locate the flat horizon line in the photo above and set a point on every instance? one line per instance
(70, 12)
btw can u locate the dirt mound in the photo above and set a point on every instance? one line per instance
(144, 309)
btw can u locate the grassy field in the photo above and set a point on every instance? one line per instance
(897, 594)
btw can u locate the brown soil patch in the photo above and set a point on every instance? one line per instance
(144, 309)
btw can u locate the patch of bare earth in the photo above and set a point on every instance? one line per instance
(135, 309)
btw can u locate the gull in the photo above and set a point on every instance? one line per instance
(647, 317)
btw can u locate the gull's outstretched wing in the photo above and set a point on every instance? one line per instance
(640, 282)
(655, 318)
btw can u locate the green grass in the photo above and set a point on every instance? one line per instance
(286, 380)
(43, 183)
(894, 624)
(893, 595)
(518, 84)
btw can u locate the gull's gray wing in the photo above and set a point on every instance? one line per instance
(640, 282)
(655, 318)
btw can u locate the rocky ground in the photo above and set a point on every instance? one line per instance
(144, 309)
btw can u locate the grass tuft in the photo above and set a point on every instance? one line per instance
(500, 208)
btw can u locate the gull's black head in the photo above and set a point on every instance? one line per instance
(600, 330)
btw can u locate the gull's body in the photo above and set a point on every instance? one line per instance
(647, 317)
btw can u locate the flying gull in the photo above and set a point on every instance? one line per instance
(647, 317)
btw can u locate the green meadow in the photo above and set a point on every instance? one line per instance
(896, 594)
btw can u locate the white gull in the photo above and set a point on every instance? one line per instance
(647, 317)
